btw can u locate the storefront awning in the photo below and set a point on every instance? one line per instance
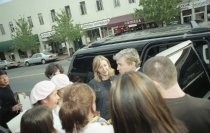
(124, 20)
(5, 46)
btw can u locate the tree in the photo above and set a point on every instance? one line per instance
(23, 38)
(158, 10)
(65, 30)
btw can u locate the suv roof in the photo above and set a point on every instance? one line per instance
(182, 32)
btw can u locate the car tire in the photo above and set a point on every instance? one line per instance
(43, 61)
(27, 64)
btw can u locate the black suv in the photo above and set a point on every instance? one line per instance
(193, 63)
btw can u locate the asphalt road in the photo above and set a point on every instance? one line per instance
(22, 79)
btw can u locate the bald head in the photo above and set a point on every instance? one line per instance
(162, 70)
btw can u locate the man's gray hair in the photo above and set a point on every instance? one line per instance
(130, 55)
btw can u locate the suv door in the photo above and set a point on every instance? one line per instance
(193, 77)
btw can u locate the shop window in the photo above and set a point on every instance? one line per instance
(41, 20)
(53, 16)
(199, 9)
(30, 21)
(199, 17)
(208, 12)
(2, 29)
(11, 26)
(186, 12)
(131, 1)
(187, 19)
(99, 5)
(68, 11)
(116, 3)
(83, 8)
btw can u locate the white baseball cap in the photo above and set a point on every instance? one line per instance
(41, 90)
(61, 80)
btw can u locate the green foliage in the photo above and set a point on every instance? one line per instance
(65, 29)
(158, 10)
(23, 38)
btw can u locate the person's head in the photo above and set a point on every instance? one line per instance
(44, 93)
(53, 69)
(61, 81)
(161, 70)
(101, 68)
(39, 119)
(4, 80)
(78, 106)
(135, 99)
(127, 60)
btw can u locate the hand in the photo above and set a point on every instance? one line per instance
(17, 107)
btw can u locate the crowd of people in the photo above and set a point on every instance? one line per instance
(150, 101)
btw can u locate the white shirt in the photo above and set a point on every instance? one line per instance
(56, 120)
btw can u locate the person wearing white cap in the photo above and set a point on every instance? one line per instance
(45, 93)
(61, 81)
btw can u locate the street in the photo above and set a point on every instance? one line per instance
(22, 79)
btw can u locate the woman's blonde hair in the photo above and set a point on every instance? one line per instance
(96, 64)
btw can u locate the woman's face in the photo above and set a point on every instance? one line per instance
(52, 100)
(103, 69)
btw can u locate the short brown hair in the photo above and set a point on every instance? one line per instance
(39, 119)
(78, 98)
(162, 70)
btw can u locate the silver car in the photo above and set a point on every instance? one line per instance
(6, 64)
(40, 58)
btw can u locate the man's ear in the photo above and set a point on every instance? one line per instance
(133, 64)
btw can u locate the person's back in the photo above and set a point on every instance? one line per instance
(194, 112)
(137, 107)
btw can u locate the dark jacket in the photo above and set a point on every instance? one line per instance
(7, 101)
(102, 96)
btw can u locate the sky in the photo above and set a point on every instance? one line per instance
(4, 1)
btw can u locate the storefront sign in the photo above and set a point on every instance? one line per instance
(95, 24)
(134, 21)
(194, 4)
(46, 34)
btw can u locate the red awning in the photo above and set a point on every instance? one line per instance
(124, 20)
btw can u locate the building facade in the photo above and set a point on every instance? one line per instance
(198, 10)
(94, 17)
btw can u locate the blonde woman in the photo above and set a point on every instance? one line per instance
(101, 83)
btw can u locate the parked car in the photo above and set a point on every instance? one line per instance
(40, 58)
(6, 64)
(193, 68)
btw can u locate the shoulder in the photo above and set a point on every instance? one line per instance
(98, 127)
(93, 83)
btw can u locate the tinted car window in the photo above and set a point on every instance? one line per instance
(192, 76)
